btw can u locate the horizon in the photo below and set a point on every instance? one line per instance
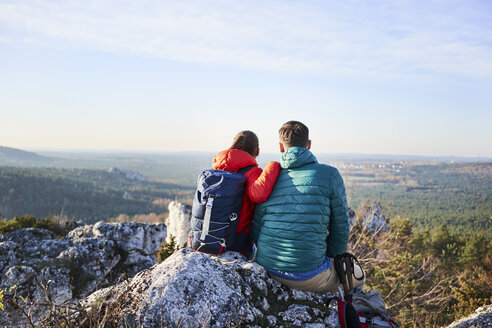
(44, 151)
(408, 79)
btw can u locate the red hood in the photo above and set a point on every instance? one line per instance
(232, 160)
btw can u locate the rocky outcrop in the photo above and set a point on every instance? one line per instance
(178, 222)
(192, 289)
(480, 319)
(372, 220)
(352, 217)
(132, 176)
(89, 257)
(189, 289)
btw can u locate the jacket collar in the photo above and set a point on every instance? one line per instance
(296, 156)
(233, 160)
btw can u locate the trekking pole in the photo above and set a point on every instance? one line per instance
(341, 272)
(349, 271)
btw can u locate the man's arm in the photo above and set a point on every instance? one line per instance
(339, 227)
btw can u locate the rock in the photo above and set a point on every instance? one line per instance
(52, 247)
(91, 260)
(128, 196)
(352, 217)
(8, 254)
(60, 289)
(480, 319)
(192, 289)
(373, 219)
(178, 222)
(28, 236)
(128, 236)
(135, 176)
(18, 275)
(132, 176)
(89, 257)
(135, 261)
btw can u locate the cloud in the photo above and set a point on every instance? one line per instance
(384, 38)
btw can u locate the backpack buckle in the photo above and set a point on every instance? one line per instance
(210, 202)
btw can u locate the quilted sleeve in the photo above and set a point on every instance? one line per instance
(339, 227)
(260, 183)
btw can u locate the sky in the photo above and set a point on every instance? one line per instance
(372, 77)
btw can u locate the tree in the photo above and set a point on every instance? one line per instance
(167, 249)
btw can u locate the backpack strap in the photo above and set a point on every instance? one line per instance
(376, 318)
(245, 169)
(207, 217)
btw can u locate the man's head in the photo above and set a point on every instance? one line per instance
(294, 134)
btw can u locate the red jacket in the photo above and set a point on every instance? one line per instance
(260, 182)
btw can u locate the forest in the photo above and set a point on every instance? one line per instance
(427, 278)
(81, 194)
(458, 195)
(427, 192)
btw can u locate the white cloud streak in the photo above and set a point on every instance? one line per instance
(383, 38)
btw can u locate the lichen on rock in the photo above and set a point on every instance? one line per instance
(214, 291)
(482, 318)
(89, 257)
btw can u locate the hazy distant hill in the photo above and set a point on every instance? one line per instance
(17, 157)
(392, 157)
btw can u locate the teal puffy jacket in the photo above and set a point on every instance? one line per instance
(307, 201)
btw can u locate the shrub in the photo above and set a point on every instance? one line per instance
(167, 249)
(428, 278)
(28, 221)
(18, 222)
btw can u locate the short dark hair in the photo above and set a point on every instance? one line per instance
(247, 141)
(294, 134)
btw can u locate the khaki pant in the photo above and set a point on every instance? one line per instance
(326, 281)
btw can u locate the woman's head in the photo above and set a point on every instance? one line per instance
(247, 141)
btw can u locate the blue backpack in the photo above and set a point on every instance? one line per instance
(215, 213)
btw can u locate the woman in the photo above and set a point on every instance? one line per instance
(242, 154)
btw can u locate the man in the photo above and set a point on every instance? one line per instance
(304, 223)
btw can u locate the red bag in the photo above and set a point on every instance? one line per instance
(350, 318)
